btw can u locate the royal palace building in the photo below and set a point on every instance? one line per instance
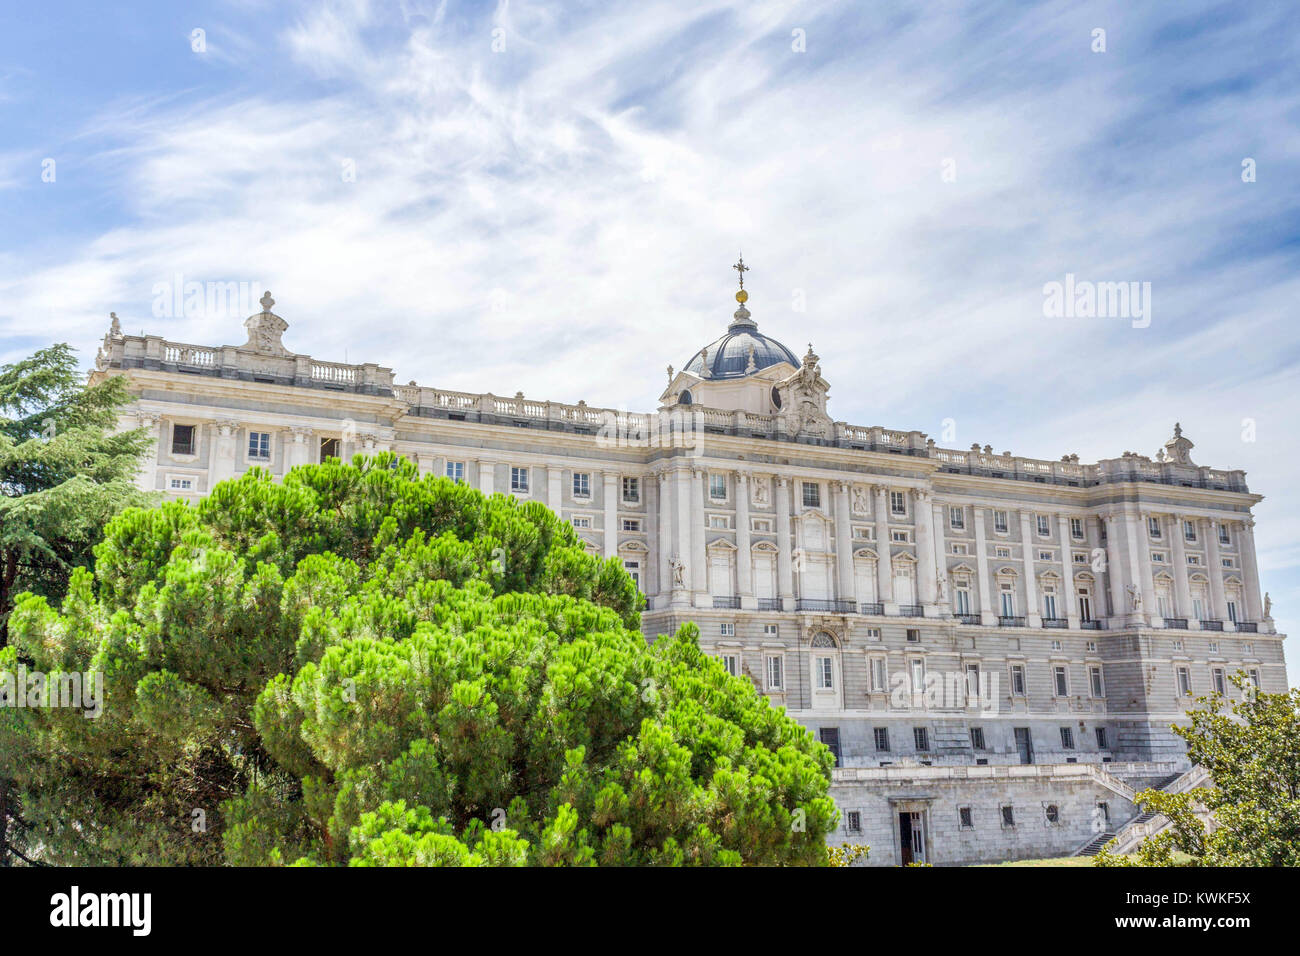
(994, 647)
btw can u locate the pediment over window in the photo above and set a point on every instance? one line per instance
(720, 544)
(961, 568)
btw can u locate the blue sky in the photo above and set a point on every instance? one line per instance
(558, 216)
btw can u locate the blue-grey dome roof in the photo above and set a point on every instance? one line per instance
(728, 357)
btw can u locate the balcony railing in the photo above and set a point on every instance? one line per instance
(725, 602)
(877, 609)
(1211, 625)
(1250, 627)
(821, 604)
(1177, 623)
(1055, 622)
(911, 610)
(1004, 621)
(769, 604)
(967, 618)
(1090, 625)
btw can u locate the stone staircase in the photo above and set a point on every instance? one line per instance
(1095, 844)
(1145, 824)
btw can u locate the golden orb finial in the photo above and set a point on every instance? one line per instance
(742, 296)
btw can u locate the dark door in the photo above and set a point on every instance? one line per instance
(905, 838)
(1025, 745)
(830, 736)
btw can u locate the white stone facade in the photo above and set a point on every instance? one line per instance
(915, 606)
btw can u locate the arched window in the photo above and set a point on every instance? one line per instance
(685, 397)
(823, 639)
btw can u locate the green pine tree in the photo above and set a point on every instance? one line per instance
(360, 666)
(64, 471)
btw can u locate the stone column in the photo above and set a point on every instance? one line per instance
(884, 559)
(846, 586)
(784, 548)
(1182, 589)
(611, 514)
(1141, 550)
(298, 449)
(682, 538)
(699, 560)
(146, 478)
(225, 451)
(1071, 594)
(744, 557)
(926, 563)
(1250, 571)
(1029, 555)
(1218, 597)
(667, 545)
(938, 526)
(555, 488)
(988, 613)
(1115, 571)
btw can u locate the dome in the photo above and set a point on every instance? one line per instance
(729, 356)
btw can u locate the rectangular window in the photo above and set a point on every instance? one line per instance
(1101, 737)
(775, 676)
(921, 737)
(259, 445)
(878, 675)
(1076, 528)
(1185, 681)
(961, 603)
(1002, 552)
(771, 630)
(1158, 557)
(1232, 611)
(964, 818)
(1044, 526)
(830, 736)
(727, 629)
(977, 738)
(854, 824)
(1080, 557)
(918, 676)
(1194, 559)
(718, 487)
(957, 518)
(581, 521)
(731, 664)
(825, 674)
(1000, 522)
(914, 635)
(631, 524)
(519, 480)
(1189, 530)
(1067, 738)
(633, 569)
(182, 439)
(960, 549)
(812, 494)
(179, 483)
(1254, 678)
(1062, 681)
(882, 738)
(1153, 526)
(1008, 817)
(1008, 598)
(762, 526)
(1223, 535)
(1220, 685)
(1214, 647)
(329, 448)
(1044, 556)
(581, 484)
(904, 537)
(1018, 680)
(632, 489)
(1049, 606)
(1094, 677)
(719, 521)
(897, 503)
